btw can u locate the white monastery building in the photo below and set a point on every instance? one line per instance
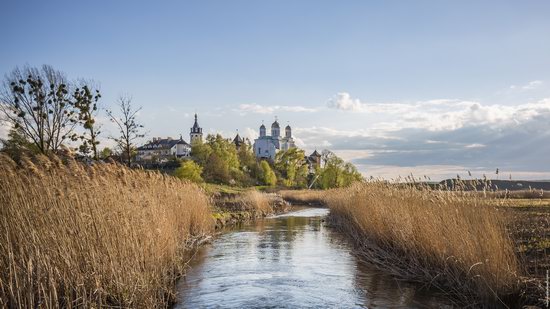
(267, 146)
(163, 149)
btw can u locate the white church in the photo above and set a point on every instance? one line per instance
(267, 146)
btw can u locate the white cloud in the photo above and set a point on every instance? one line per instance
(529, 86)
(344, 101)
(475, 145)
(266, 109)
(250, 133)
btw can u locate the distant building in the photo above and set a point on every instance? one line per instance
(196, 132)
(313, 161)
(267, 146)
(238, 141)
(162, 150)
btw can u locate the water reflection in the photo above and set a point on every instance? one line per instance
(290, 261)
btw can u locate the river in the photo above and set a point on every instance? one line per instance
(291, 261)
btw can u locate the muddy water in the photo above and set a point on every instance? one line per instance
(290, 261)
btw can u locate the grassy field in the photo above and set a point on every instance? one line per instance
(477, 248)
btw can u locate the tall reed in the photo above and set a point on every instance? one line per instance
(449, 240)
(304, 197)
(92, 236)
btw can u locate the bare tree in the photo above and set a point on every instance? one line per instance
(128, 127)
(37, 103)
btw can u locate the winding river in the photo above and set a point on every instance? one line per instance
(291, 261)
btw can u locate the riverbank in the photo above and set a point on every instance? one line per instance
(240, 206)
(77, 235)
(480, 250)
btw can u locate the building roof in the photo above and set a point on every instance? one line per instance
(262, 126)
(163, 144)
(275, 124)
(287, 127)
(238, 140)
(196, 124)
(315, 154)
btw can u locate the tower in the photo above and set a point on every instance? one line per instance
(262, 130)
(288, 132)
(275, 130)
(196, 132)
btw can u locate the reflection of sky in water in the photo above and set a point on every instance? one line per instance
(290, 260)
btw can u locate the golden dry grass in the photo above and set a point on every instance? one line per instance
(255, 201)
(304, 197)
(77, 236)
(450, 240)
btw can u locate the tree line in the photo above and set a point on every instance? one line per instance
(219, 160)
(47, 112)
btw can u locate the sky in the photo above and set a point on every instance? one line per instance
(429, 88)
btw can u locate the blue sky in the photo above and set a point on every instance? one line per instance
(426, 87)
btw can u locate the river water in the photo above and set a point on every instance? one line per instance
(290, 261)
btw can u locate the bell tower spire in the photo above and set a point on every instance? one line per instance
(196, 132)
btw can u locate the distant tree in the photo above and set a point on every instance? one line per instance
(292, 167)
(189, 170)
(219, 159)
(246, 157)
(37, 102)
(269, 177)
(85, 102)
(16, 144)
(200, 152)
(336, 173)
(216, 170)
(249, 165)
(105, 153)
(129, 128)
(224, 149)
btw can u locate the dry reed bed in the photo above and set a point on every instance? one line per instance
(448, 240)
(78, 236)
(304, 197)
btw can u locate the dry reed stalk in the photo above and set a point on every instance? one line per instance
(304, 197)
(92, 236)
(450, 240)
(255, 201)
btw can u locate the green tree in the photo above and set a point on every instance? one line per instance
(336, 173)
(219, 159)
(292, 167)
(224, 149)
(105, 153)
(249, 165)
(269, 177)
(189, 170)
(16, 144)
(216, 170)
(200, 152)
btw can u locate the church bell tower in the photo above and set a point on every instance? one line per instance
(196, 132)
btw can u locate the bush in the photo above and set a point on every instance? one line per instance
(189, 170)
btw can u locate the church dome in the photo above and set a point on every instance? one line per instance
(287, 127)
(275, 124)
(262, 127)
